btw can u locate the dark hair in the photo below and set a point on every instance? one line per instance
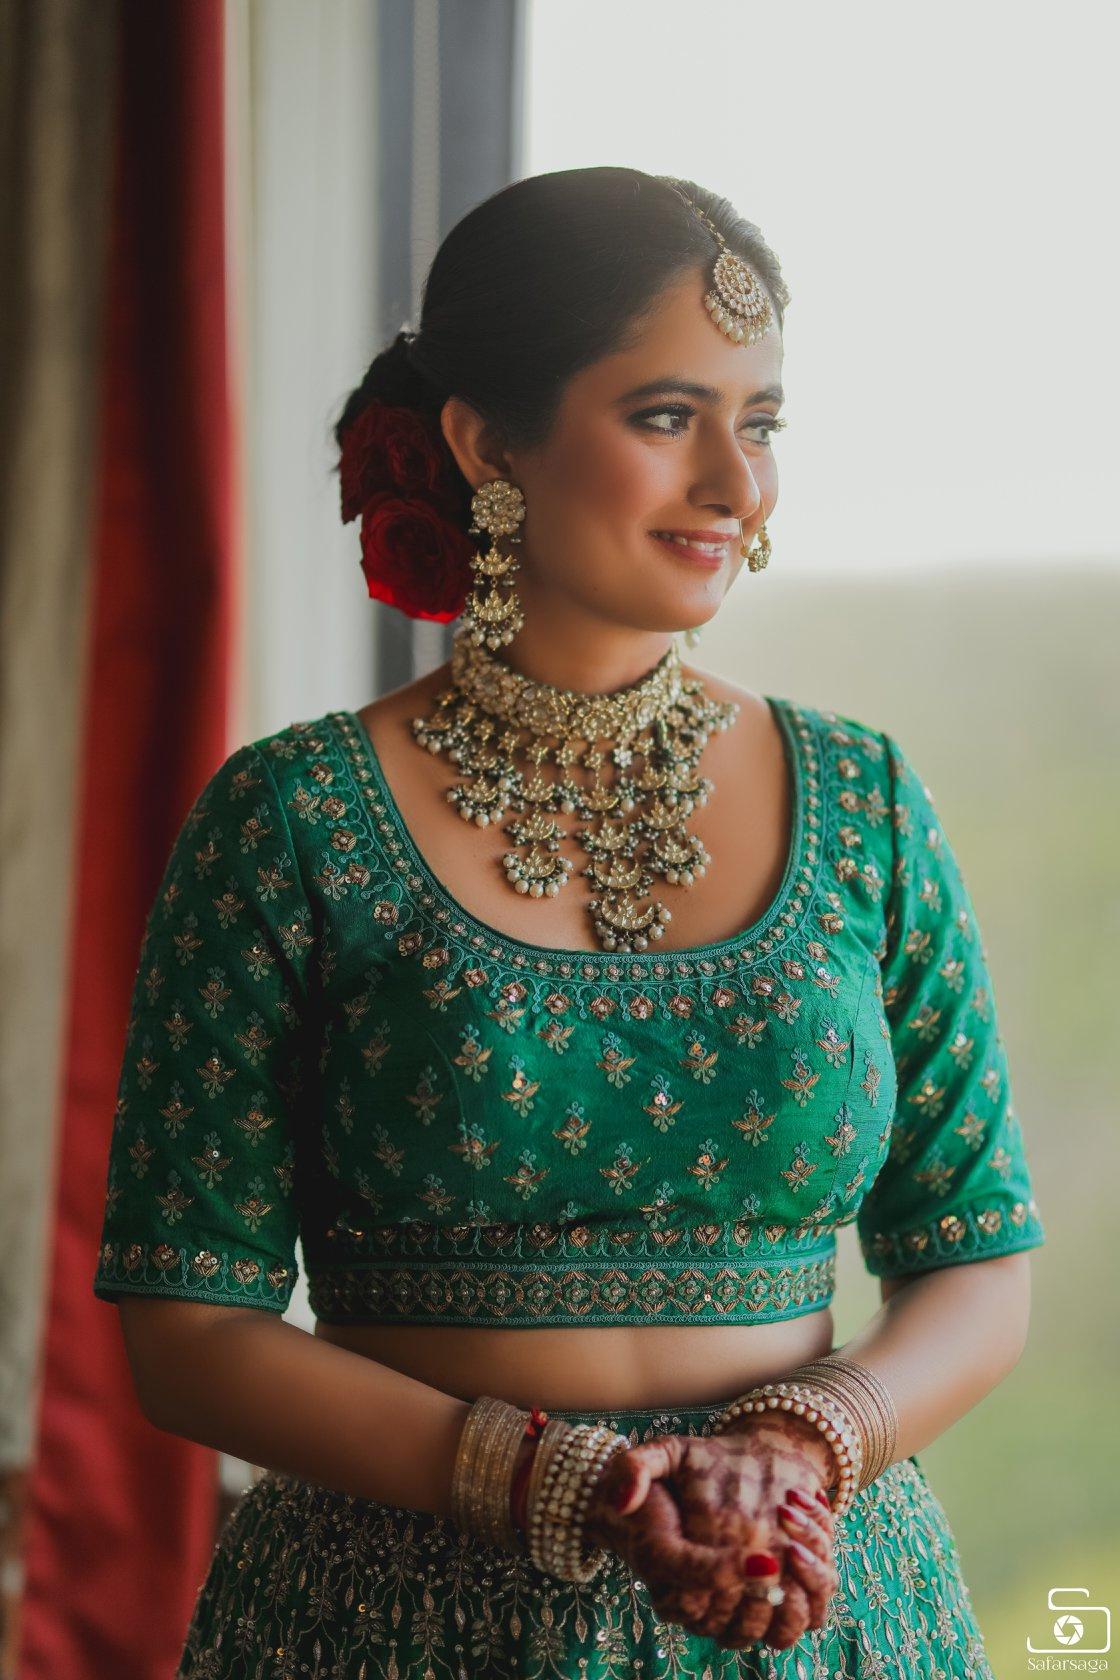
(540, 280)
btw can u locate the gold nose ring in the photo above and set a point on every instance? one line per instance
(756, 558)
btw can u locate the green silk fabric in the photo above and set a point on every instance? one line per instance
(460, 1127)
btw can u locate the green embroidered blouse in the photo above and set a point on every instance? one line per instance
(461, 1127)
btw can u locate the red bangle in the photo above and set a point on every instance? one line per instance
(534, 1429)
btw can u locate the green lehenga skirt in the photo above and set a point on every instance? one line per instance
(310, 1584)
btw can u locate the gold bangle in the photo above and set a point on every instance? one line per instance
(868, 1391)
(463, 1456)
(483, 1470)
(499, 1481)
(855, 1405)
(489, 1436)
(882, 1398)
(868, 1395)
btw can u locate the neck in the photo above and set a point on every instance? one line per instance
(594, 662)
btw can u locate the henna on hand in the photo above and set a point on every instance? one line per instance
(809, 1576)
(711, 1501)
(688, 1580)
(693, 1569)
(811, 1553)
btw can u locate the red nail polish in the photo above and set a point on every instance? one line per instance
(823, 1497)
(801, 1497)
(760, 1563)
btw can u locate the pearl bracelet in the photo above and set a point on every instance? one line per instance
(569, 1462)
(817, 1408)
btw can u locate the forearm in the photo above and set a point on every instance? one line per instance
(943, 1340)
(270, 1393)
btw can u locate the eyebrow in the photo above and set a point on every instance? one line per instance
(690, 388)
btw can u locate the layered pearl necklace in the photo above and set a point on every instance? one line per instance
(641, 746)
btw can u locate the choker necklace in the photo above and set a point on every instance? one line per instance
(641, 746)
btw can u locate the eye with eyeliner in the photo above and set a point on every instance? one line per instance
(767, 422)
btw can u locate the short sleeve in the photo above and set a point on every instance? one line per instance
(201, 1197)
(955, 1185)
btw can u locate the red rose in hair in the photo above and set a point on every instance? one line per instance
(390, 449)
(415, 558)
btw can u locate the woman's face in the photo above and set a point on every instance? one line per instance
(619, 467)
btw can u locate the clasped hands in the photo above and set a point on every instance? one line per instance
(702, 1519)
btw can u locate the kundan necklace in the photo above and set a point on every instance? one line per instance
(641, 746)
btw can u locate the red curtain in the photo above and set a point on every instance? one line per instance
(120, 1516)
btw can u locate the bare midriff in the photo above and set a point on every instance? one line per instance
(581, 1368)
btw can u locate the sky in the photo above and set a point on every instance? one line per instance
(934, 182)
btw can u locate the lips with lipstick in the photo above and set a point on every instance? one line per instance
(711, 547)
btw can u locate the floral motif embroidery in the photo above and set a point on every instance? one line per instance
(661, 1108)
(622, 1169)
(613, 1063)
(804, 1080)
(574, 1132)
(302, 972)
(426, 1097)
(754, 1124)
(801, 1169)
(522, 1089)
(474, 1147)
(840, 1141)
(709, 1164)
(528, 1178)
(700, 1061)
(474, 1056)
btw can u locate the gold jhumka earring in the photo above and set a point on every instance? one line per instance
(492, 615)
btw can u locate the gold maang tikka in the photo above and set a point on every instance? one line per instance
(737, 302)
(492, 614)
(740, 307)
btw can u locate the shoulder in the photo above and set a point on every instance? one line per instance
(236, 788)
(841, 732)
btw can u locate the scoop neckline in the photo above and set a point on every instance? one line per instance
(525, 952)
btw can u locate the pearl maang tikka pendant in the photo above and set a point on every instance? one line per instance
(738, 301)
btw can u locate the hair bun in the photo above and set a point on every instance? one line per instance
(393, 377)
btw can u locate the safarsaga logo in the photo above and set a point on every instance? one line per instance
(1078, 1637)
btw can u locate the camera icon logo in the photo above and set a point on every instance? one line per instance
(1076, 1627)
